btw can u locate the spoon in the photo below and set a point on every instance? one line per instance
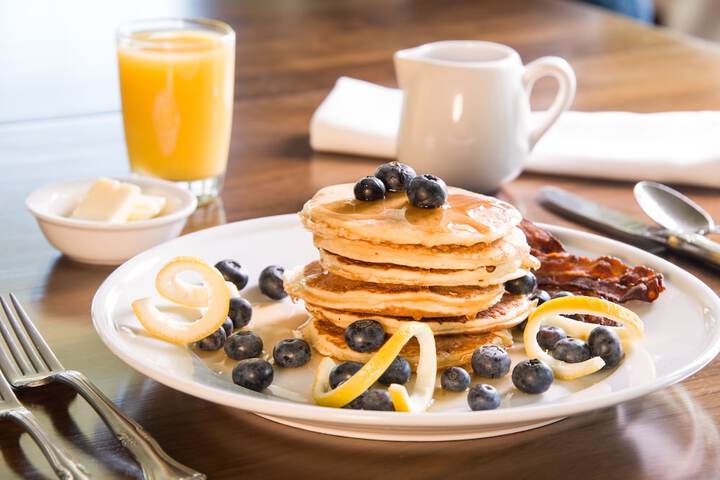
(686, 222)
(673, 210)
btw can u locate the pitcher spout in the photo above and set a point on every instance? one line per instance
(407, 64)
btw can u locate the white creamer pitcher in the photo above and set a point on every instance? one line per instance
(466, 110)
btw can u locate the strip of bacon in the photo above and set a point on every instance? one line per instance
(605, 277)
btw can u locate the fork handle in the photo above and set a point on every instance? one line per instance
(65, 467)
(155, 463)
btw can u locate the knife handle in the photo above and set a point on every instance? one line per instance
(696, 245)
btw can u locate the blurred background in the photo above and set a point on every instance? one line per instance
(71, 46)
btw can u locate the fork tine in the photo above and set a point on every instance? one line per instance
(10, 369)
(5, 389)
(47, 354)
(22, 336)
(20, 359)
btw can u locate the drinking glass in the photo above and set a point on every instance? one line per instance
(176, 84)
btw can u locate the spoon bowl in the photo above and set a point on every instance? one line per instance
(672, 209)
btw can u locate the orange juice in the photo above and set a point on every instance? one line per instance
(177, 100)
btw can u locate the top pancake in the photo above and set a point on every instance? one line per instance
(467, 218)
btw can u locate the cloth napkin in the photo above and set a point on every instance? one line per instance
(362, 118)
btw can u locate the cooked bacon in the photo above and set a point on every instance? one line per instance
(605, 277)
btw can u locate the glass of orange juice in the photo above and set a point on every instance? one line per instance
(176, 84)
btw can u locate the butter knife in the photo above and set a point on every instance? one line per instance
(621, 225)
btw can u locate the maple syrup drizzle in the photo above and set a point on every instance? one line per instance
(459, 209)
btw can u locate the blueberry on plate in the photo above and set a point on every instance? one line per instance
(571, 350)
(483, 397)
(541, 296)
(271, 282)
(549, 335)
(242, 345)
(524, 285)
(375, 399)
(398, 372)
(212, 342)
(561, 294)
(240, 312)
(342, 372)
(532, 376)
(369, 188)
(228, 326)
(605, 343)
(233, 272)
(490, 361)
(520, 327)
(427, 191)
(253, 373)
(365, 335)
(357, 403)
(455, 379)
(291, 353)
(395, 176)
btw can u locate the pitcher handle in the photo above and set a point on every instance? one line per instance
(562, 71)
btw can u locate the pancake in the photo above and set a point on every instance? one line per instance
(315, 286)
(467, 218)
(389, 273)
(452, 350)
(507, 313)
(457, 257)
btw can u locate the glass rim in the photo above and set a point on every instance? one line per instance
(127, 31)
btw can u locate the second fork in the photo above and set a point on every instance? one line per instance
(39, 365)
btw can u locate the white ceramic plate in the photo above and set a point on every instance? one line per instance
(681, 336)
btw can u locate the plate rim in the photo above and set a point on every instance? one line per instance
(264, 405)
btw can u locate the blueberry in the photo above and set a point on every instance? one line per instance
(571, 350)
(532, 376)
(240, 312)
(605, 343)
(562, 294)
(342, 372)
(357, 403)
(524, 285)
(253, 373)
(483, 397)
(228, 326)
(242, 345)
(233, 272)
(541, 296)
(271, 282)
(490, 361)
(398, 372)
(395, 176)
(291, 353)
(455, 379)
(368, 189)
(212, 342)
(375, 399)
(548, 336)
(427, 191)
(364, 335)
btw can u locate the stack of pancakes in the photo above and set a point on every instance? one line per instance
(389, 261)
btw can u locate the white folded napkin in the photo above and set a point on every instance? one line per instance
(362, 118)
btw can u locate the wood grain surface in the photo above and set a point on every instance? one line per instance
(59, 120)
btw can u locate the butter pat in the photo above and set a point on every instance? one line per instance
(147, 206)
(108, 201)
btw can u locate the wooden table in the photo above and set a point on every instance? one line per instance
(59, 120)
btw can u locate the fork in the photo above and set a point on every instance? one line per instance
(40, 366)
(65, 467)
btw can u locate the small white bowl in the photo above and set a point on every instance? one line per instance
(102, 243)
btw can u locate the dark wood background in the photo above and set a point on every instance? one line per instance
(59, 120)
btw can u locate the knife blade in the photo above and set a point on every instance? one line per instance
(599, 217)
(619, 224)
